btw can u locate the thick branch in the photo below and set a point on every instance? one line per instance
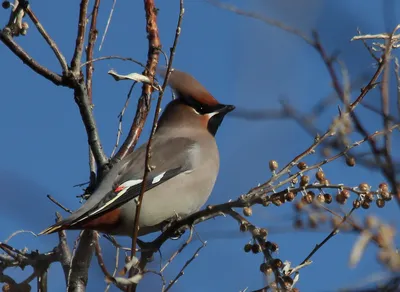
(80, 263)
(82, 100)
(143, 107)
(76, 59)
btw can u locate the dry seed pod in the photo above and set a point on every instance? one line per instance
(320, 175)
(364, 187)
(384, 187)
(244, 227)
(298, 206)
(248, 247)
(369, 197)
(265, 201)
(380, 203)
(365, 204)
(345, 194)
(263, 267)
(356, 204)
(302, 165)
(277, 202)
(298, 223)
(273, 165)
(386, 196)
(263, 232)
(340, 199)
(325, 182)
(350, 161)
(321, 198)
(305, 179)
(247, 211)
(290, 196)
(312, 222)
(288, 281)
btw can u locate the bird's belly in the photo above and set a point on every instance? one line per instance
(175, 199)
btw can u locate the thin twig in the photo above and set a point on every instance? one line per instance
(262, 18)
(19, 232)
(60, 57)
(100, 260)
(154, 128)
(327, 238)
(120, 117)
(108, 24)
(113, 58)
(59, 204)
(181, 272)
(141, 115)
(178, 251)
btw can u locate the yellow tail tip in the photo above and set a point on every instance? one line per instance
(50, 230)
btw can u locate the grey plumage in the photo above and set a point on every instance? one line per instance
(184, 161)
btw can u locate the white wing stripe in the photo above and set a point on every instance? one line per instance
(126, 185)
(157, 178)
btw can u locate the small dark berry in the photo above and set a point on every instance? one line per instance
(255, 248)
(328, 198)
(6, 4)
(277, 263)
(263, 267)
(248, 247)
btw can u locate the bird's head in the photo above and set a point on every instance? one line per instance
(194, 104)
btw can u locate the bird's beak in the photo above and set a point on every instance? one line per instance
(225, 108)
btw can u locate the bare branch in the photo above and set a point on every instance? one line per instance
(85, 108)
(143, 106)
(89, 50)
(6, 38)
(48, 39)
(113, 58)
(80, 39)
(78, 277)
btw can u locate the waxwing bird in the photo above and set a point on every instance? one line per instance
(185, 164)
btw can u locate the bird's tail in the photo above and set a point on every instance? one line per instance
(53, 228)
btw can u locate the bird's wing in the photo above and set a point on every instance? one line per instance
(169, 158)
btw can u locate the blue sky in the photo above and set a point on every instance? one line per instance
(242, 62)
